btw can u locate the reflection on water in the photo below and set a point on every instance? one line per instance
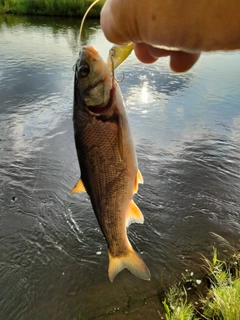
(53, 261)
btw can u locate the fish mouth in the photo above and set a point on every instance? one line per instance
(98, 110)
(101, 79)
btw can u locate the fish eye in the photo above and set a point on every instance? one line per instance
(84, 70)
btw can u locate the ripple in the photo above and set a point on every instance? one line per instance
(54, 257)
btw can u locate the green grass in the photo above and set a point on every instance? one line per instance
(223, 298)
(50, 7)
(79, 317)
(221, 301)
(176, 305)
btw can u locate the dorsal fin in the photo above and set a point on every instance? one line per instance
(79, 187)
(134, 214)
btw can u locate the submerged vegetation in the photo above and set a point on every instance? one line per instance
(221, 300)
(51, 7)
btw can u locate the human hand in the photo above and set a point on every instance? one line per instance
(180, 29)
(180, 61)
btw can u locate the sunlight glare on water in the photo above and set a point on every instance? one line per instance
(53, 258)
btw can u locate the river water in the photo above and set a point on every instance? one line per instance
(186, 127)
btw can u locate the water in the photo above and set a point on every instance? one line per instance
(186, 127)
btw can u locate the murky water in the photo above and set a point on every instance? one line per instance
(53, 261)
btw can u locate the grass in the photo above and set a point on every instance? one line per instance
(176, 305)
(50, 7)
(221, 301)
(79, 317)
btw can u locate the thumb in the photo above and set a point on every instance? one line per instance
(117, 21)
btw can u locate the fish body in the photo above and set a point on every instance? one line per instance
(107, 159)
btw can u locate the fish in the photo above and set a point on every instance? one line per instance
(107, 159)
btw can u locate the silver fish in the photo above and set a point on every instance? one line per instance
(107, 159)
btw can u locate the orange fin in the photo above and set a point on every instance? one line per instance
(135, 187)
(135, 214)
(79, 187)
(138, 179)
(139, 176)
(131, 261)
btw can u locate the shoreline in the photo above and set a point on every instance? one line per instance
(51, 8)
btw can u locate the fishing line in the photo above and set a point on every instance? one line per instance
(84, 17)
(111, 52)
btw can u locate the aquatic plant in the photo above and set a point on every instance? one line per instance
(50, 7)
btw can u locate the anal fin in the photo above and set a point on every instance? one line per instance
(79, 187)
(134, 214)
(138, 179)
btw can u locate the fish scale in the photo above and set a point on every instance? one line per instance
(104, 174)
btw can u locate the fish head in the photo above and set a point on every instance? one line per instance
(93, 80)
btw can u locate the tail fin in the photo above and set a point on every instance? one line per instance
(131, 261)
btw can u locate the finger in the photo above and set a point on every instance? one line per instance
(179, 61)
(143, 54)
(110, 20)
(182, 61)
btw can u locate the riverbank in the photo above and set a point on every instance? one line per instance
(69, 8)
(215, 296)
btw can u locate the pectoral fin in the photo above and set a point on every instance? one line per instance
(79, 187)
(134, 214)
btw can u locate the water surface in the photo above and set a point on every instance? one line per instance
(186, 127)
